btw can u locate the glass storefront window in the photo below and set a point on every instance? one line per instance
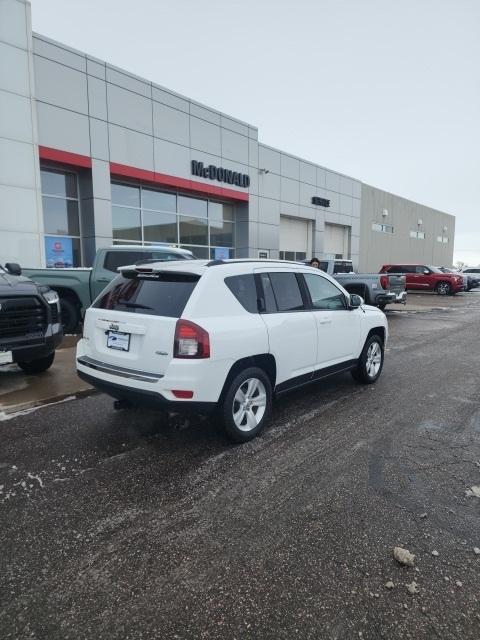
(201, 253)
(160, 227)
(221, 234)
(193, 231)
(56, 183)
(62, 252)
(159, 201)
(218, 211)
(148, 216)
(60, 216)
(126, 223)
(221, 253)
(61, 219)
(125, 195)
(192, 207)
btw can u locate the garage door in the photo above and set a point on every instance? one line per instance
(295, 238)
(337, 241)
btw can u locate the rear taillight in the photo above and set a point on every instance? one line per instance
(191, 341)
(385, 282)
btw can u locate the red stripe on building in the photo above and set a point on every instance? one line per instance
(164, 180)
(143, 175)
(64, 157)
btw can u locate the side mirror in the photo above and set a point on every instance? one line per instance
(355, 301)
(13, 268)
(426, 272)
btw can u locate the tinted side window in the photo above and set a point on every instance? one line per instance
(115, 259)
(323, 293)
(286, 291)
(342, 267)
(269, 302)
(401, 268)
(166, 294)
(324, 265)
(244, 290)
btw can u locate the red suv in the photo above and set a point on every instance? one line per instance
(423, 278)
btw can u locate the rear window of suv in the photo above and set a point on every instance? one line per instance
(162, 294)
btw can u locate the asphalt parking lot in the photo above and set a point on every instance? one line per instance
(125, 525)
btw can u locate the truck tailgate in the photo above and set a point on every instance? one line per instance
(397, 283)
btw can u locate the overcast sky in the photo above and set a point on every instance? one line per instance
(387, 91)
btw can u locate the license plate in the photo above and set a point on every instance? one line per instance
(6, 357)
(118, 340)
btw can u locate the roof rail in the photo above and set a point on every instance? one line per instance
(215, 263)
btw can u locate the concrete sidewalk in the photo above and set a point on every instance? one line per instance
(19, 391)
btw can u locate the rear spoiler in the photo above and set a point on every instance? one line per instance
(132, 271)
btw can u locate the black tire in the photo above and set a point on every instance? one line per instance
(37, 366)
(382, 305)
(227, 407)
(361, 373)
(68, 315)
(443, 289)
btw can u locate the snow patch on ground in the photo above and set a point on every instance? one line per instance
(473, 491)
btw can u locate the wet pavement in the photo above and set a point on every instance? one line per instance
(124, 525)
(20, 392)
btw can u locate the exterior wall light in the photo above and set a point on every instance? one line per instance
(445, 228)
(420, 222)
(385, 213)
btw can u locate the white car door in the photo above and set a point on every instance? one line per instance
(292, 330)
(338, 327)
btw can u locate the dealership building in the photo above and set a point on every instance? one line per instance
(91, 155)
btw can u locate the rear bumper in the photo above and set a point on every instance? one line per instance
(391, 297)
(25, 350)
(203, 378)
(145, 398)
(384, 298)
(401, 298)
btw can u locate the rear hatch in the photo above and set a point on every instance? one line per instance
(132, 323)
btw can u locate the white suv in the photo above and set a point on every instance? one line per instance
(225, 335)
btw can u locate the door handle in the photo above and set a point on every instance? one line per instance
(324, 322)
(103, 280)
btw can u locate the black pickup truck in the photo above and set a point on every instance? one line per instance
(30, 328)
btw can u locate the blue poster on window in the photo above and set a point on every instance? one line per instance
(221, 253)
(58, 252)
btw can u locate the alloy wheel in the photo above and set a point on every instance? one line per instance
(374, 359)
(249, 404)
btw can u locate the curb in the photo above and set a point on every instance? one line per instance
(12, 410)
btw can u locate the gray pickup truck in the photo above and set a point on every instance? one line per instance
(77, 288)
(376, 289)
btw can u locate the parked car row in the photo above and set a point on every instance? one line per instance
(222, 336)
(441, 280)
(377, 290)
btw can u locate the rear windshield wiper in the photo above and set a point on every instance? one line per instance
(134, 305)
